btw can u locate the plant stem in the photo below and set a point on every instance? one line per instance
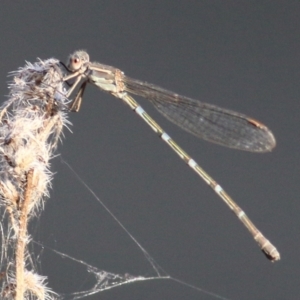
(22, 238)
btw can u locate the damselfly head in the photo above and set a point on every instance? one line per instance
(77, 60)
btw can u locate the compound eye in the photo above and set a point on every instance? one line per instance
(75, 63)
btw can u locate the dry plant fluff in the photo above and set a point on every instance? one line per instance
(31, 122)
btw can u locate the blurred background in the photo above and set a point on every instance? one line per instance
(239, 55)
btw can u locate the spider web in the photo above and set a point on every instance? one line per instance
(105, 280)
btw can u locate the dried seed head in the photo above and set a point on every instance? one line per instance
(31, 122)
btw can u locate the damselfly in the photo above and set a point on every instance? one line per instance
(212, 123)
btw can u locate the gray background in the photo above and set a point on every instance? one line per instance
(242, 55)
